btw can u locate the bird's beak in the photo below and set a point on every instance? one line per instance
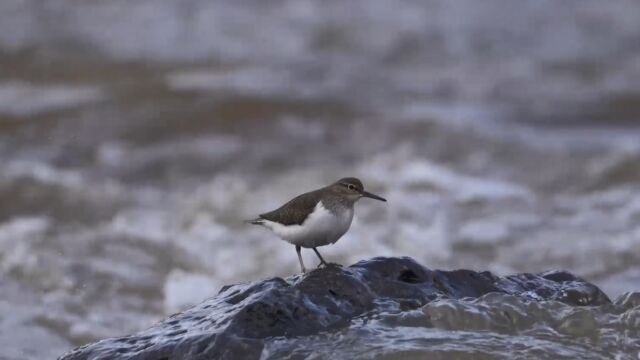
(373, 196)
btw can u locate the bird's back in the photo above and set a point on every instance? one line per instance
(295, 211)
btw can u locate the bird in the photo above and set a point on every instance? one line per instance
(316, 218)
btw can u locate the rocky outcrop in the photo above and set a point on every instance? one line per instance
(236, 323)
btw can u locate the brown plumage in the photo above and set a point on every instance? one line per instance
(295, 211)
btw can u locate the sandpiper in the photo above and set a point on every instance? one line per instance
(316, 218)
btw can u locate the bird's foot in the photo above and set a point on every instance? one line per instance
(322, 263)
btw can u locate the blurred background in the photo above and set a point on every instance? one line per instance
(135, 136)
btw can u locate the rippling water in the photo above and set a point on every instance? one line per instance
(495, 326)
(135, 137)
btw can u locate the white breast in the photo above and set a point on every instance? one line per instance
(322, 227)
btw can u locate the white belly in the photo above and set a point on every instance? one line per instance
(322, 227)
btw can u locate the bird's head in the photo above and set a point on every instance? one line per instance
(352, 189)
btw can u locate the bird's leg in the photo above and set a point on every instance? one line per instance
(300, 258)
(322, 262)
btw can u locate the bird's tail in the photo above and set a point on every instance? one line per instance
(257, 221)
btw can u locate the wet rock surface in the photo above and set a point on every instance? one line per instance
(278, 318)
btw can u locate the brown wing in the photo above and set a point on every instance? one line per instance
(295, 211)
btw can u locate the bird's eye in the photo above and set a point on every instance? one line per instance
(351, 187)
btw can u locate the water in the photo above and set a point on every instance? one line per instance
(135, 138)
(494, 326)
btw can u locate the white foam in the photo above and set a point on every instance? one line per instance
(17, 238)
(19, 98)
(462, 187)
(183, 289)
(242, 80)
(43, 172)
(144, 223)
(483, 231)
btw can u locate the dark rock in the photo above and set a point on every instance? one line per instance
(235, 323)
